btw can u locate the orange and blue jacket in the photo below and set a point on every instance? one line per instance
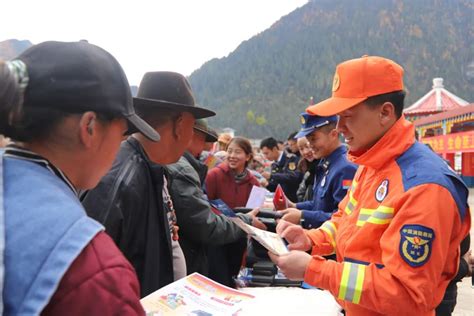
(397, 232)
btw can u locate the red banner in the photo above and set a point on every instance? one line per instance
(451, 143)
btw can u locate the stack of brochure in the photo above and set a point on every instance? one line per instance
(195, 295)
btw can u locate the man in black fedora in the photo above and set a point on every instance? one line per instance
(199, 226)
(132, 200)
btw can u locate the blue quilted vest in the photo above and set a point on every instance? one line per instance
(45, 229)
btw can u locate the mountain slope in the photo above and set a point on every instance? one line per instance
(261, 87)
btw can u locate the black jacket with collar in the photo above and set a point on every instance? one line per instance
(128, 201)
(199, 226)
(285, 173)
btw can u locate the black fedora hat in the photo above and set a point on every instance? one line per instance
(168, 91)
(202, 126)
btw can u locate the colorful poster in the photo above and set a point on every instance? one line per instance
(195, 295)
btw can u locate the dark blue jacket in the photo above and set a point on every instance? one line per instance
(331, 183)
(285, 173)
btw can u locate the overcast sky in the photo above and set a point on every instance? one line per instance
(177, 35)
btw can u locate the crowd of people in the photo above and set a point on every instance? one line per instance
(107, 198)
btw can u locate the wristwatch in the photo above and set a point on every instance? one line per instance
(302, 221)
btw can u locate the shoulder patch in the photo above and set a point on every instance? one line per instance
(382, 191)
(415, 244)
(292, 166)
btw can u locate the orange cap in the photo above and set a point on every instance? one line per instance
(356, 80)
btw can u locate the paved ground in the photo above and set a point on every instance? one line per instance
(465, 306)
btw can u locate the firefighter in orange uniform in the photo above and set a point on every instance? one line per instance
(397, 232)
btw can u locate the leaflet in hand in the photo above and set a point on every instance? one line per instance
(257, 197)
(273, 242)
(222, 208)
(195, 295)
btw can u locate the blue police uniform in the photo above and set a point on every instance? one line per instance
(333, 177)
(332, 180)
(284, 172)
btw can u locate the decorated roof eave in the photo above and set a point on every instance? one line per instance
(444, 115)
(414, 106)
(413, 113)
(437, 90)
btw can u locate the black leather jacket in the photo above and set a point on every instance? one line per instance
(128, 201)
(199, 226)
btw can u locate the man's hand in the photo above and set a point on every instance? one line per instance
(258, 224)
(266, 175)
(292, 215)
(292, 264)
(295, 236)
(255, 221)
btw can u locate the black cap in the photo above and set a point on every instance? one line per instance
(166, 90)
(77, 77)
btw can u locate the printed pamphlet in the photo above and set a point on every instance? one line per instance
(195, 295)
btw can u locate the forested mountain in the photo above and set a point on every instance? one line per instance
(261, 87)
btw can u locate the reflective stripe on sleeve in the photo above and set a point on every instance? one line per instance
(331, 230)
(352, 282)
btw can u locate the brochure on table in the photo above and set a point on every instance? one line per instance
(195, 295)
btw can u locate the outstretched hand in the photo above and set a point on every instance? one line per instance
(292, 215)
(295, 236)
(255, 221)
(292, 264)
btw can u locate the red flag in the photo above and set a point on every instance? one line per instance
(279, 199)
(346, 184)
